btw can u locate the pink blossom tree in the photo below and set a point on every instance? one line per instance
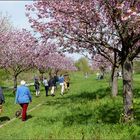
(72, 32)
(49, 59)
(58, 62)
(41, 56)
(17, 54)
(107, 25)
(99, 62)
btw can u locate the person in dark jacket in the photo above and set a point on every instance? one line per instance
(2, 99)
(23, 98)
(37, 86)
(56, 79)
(46, 85)
(52, 85)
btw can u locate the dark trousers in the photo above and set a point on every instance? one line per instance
(46, 89)
(24, 110)
(68, 84)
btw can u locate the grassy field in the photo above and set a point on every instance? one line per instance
(87, 111)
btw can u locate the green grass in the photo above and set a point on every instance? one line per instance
(87, 111)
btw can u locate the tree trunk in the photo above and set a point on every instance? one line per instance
(41, 77)
(127, 69)
(56, 71)
(115, 84)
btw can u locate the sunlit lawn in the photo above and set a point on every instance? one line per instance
(87, 111)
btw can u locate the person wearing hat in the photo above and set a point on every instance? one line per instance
(23, 98)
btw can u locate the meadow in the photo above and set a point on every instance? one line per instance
(86, 111)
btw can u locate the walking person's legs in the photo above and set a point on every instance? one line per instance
(68, 85)
(65, 85)
(24, 110)
(52, 91)
(0, 108)
(36, 92)
(46, 89)
(62, 88)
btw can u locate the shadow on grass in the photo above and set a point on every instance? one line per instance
(107, 113)
(101, 93)
(29, 117)
(4, 118)
(136, 92)
(137, 115)
(136, 95)
(45, 120)
(79, 117)
(82, 97)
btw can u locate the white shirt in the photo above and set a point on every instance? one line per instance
(45, 82)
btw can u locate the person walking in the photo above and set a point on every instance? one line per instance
(2, 99)
(61, 82)
(56, 79)
(67, 81)
(45, 82)
(37, 86)
(23, 98)
(97, 76)
(52, 85)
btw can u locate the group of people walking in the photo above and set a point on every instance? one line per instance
(52, 83)
(23, 95)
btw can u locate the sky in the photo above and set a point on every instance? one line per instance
(16, 11)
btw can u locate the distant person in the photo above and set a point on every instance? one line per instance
(37, 86)
(52, 85)
(23, 98)
(101, 75)
(56, 79)
(46, 85)
(97, 76)
(61, 82)
(86, 75)
(120, 74)
(2, 99)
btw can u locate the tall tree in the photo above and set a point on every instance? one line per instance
(47, 58)
(99, 62)
(83, 65)
(73, 31)
(107, 25)
(17, 54)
